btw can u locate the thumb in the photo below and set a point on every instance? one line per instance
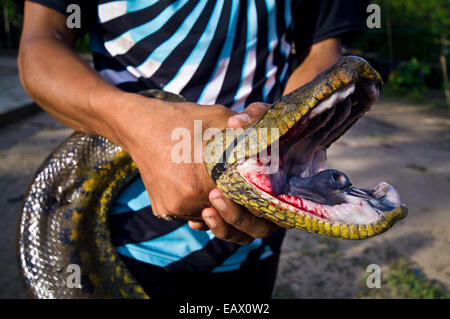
(249, 116)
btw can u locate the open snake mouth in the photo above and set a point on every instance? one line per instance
(302, 180)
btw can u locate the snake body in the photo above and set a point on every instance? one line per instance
(63, 221)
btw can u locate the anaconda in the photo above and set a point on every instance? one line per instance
(63, 221)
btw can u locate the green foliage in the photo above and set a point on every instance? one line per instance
(14, 20)
(82, 44)
(418, 29)
(14, 12)
(408, 78)
(403, 281)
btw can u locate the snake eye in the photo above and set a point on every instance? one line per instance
(338, 179)
(330, 179)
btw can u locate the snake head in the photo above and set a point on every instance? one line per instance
(277, 168)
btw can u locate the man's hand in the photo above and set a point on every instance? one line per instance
(185, 190)
(147, 129)
(226, 219)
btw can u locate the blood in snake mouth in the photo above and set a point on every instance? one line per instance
(303, 180)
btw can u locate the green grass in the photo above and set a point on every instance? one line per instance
(404, 281)
(82, 44)
(283, 292)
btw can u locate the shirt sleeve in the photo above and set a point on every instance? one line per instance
(60, 5)
(317, 20)
(87, 9)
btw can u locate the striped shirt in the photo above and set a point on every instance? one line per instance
(229, 52)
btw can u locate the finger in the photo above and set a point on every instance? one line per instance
(239, 120)
(239, 217)
(198, 225)
(222, 230)
(249, 115)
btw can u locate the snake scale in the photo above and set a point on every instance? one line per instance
(63, 220)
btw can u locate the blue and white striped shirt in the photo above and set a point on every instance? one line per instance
(229, 52)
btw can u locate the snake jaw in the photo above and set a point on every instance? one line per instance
(303, 180)
(302, 192)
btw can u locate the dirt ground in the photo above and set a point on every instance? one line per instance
(406, 145)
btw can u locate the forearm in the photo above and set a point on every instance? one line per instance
(67, 87)
(322, 55)
(59, 82)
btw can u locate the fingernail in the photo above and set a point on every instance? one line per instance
(219, 203)
(211, 221)
(244, 117)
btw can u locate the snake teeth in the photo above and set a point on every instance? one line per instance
(296, 189)
(332, 100)
(310, 120)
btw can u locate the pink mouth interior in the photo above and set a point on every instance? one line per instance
(262, 182)
(301, 156)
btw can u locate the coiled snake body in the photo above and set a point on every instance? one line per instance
(64, 217)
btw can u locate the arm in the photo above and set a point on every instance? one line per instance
(321, 56)
(72, 92)
(61, 82)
